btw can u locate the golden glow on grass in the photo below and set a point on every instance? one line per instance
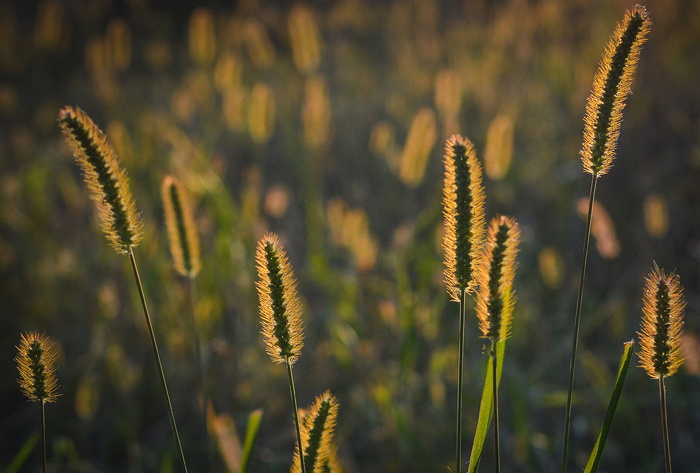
(106, 180)
(36, 362)
(280, 309)
(660, 334)
(182, 233)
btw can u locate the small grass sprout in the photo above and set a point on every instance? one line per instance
(36, 362)
(660, 353)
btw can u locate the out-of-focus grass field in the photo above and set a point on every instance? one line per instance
(325, 122)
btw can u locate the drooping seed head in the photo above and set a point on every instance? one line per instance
(280, 308)
(496, 298)
(660, 335)
(182, 233)
(317, 436)
(36, 362)
(106, 180)
(611, 86)
(463, 210)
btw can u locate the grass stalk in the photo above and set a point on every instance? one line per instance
(43, 434)
(496, 429)
(156, 353)
(460, 376)
(293, 392)
(577, 323)
(664, 424)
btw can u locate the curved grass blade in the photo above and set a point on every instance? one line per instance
(486, 408)
(594, 459)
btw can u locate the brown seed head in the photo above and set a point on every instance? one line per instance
(660, 335)
(106, 180)
(495, 298)
(611, 86)
(280, 308)
(36, 362)
(463, 210)
(182, 233)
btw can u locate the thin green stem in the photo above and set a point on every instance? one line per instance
(664, 424)
(460, 376)
(496, 429)
(577, 324)
(296, 416)
(203, 398)
(43, 433)
(156, 353)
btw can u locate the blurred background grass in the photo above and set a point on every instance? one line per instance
(325, 121)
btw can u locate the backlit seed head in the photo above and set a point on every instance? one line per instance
(280, 308)
(317, 426)
(660, 334)
(36, 362)
(182, 233)
(106, 180)
(611, 86)
(496, 298)
(463, 210)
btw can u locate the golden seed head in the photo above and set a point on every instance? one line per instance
(660, 335)
(611, 86)
(496, 298)
(106, 180)
(280, 309)
(182, 233)
(463, 210)
(317, 426)
(36, 362)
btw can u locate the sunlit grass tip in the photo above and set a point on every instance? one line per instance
(280, 308)
(611, 86)
(36, 363)
(660, 334)
(463, 210)
(317, 436)
(106, 180)
(182, 233)
(496, 297)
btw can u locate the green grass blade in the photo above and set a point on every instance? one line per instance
(594, 459)
(486, 408)
(19, 460)
(251, 434)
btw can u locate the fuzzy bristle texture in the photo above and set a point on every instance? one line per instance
(317, 437)
(36, 362)
(106, 180)
(496, 297)
(182, 233)
(463, 210)
(611, 86)
(660, 335)
(280, 308)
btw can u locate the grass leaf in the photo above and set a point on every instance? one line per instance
(486, 408)
(251, 434)
(594, 459)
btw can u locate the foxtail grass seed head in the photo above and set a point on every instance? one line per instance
(611, 86)
(660, 335)
(106, 180)
(317, 436)
(184, 243)
(496, 298)
(463, 209)
(280, 308)
(36, 362)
